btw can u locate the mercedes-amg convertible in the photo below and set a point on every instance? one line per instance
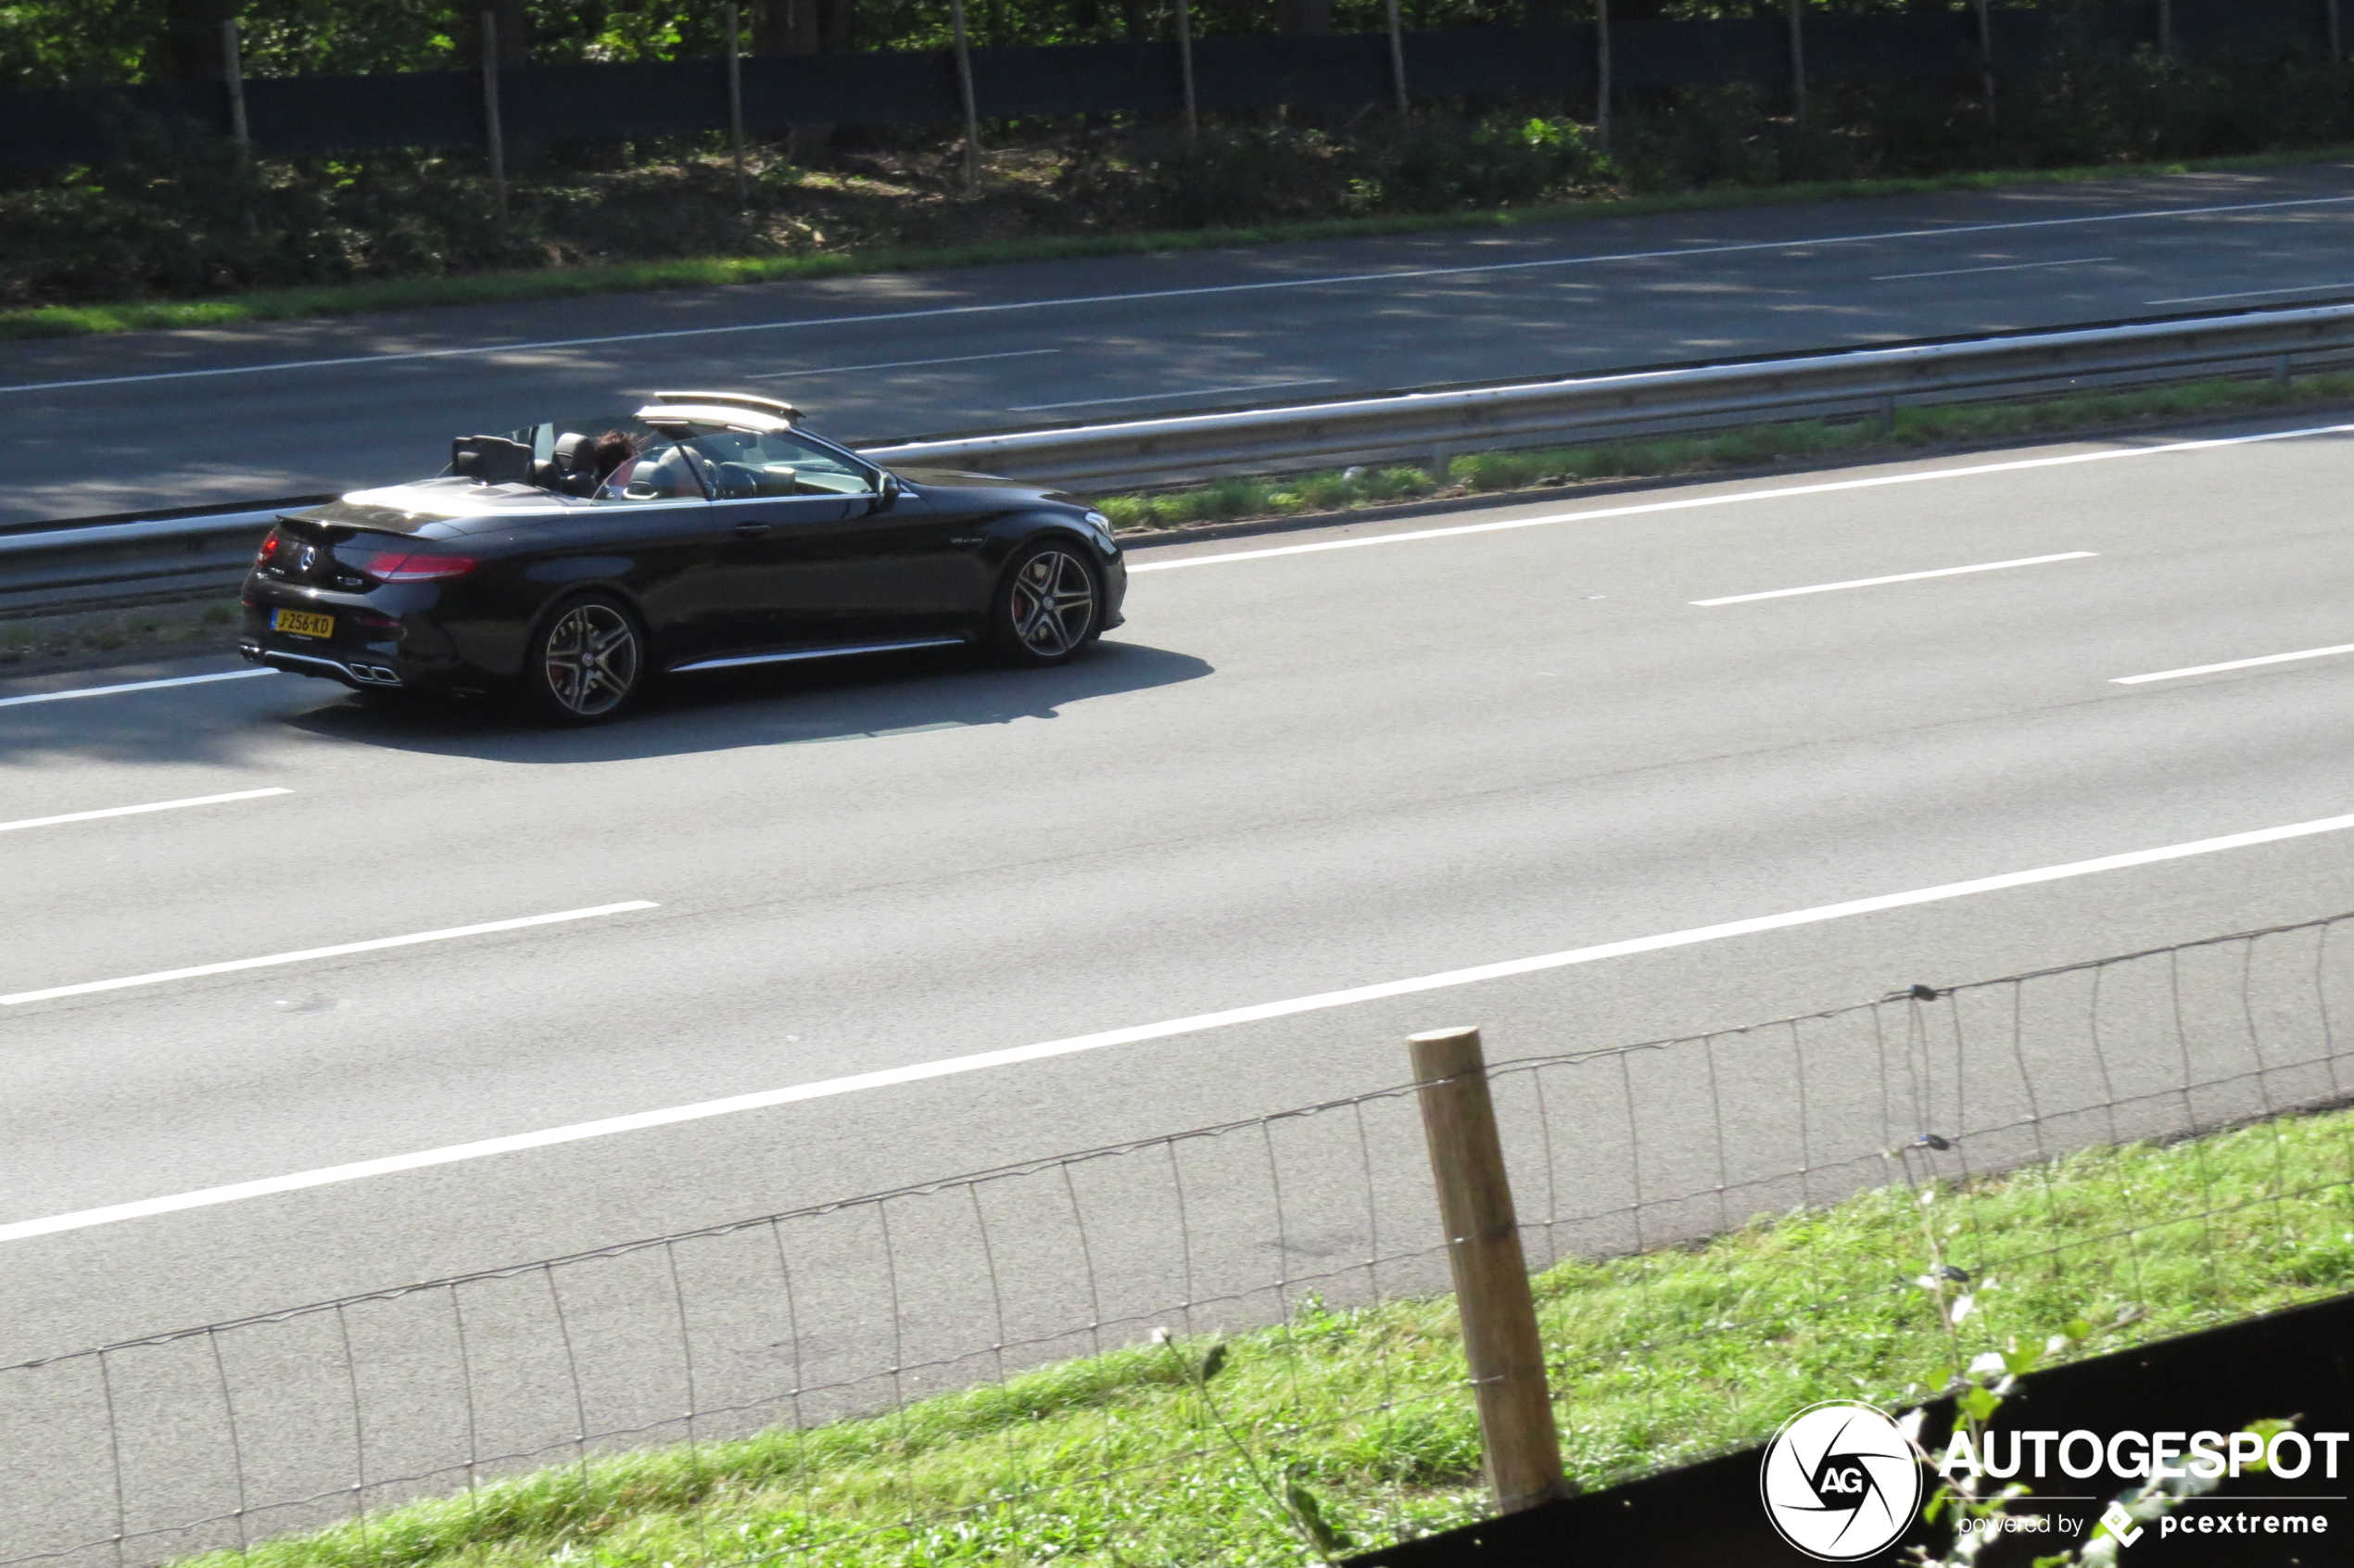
(571, 563)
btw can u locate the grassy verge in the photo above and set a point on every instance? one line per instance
(1655, 1359)
(502, 287)
(1338, 490)
(163, 629)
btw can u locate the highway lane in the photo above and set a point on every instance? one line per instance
(104, 424)
(1295, 770)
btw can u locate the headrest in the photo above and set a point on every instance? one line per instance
(571, 471)
(575, 453)
(493, 459)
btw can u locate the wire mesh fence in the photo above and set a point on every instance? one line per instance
(220, 1437)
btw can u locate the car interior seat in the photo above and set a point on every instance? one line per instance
(571, 471)
(490, 460)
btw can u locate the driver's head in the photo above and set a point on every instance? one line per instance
(613, 449)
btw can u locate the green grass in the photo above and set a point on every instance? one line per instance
(1754, 445)
(27, 642)
(490, 288)
(1655, 1359)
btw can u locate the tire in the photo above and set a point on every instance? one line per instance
(586, 663)
(1049, 604)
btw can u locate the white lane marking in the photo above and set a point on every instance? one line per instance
(2005, 266)
(2245, 294)
(140, 810)
(1199, 1023)
(1162, 397)
(2235, 664)
(1898, 578)
(133, 686)
(932, 312)
(903, 364)
(308, 953)
(1738, 498)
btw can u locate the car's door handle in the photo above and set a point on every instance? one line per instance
(753, 528)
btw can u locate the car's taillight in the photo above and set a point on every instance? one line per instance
(397, 567)
(270, 548)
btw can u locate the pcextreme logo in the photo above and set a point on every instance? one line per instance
(1841, 1481)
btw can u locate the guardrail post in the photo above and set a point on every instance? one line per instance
(1521, 1448)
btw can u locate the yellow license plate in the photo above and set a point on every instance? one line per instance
(302, 623)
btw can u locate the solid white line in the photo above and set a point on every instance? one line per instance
(2235, 664)
(1898, 578)
(135, 686)
(903, 364)
(1737, 498)
(1406, 275)
(306, 954)
(1159, 397)
(140, 810)
(2245, 294)
(2005, 266)
(1201, 1022)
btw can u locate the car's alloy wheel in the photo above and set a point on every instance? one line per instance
(587, 663)
(1047, 608)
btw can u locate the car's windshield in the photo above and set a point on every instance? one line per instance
(746, 463)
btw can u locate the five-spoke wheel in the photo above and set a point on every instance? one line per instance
(586, 663)
(1048, 605)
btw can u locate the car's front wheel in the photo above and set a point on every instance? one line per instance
(1049, 603)
(586, 663)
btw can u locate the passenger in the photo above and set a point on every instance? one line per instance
(617, 452)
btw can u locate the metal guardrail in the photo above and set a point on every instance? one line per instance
(68, 566)
(1432, 424)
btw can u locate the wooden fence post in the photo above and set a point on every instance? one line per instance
(233, 72)
(493, 132)
(965, 92)
(736, 101)
(1185, 68)
(1522, 1450)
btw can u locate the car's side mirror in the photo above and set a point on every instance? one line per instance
(887, 491)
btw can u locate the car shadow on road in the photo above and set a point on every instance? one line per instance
(848, 700)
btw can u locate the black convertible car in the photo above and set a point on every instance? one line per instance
(572, 562)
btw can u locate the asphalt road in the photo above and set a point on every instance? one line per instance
(97, 425)
(1296, 770)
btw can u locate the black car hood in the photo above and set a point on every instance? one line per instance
(981, 491)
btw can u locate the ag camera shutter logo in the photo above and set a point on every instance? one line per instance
(1841, 1482)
